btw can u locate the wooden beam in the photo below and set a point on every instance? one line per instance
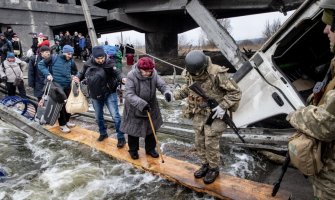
(181, 172)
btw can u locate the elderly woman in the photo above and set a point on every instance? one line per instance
(140, 98)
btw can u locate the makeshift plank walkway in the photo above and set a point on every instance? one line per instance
(181, 172)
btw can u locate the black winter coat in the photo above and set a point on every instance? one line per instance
(36, 79)
(112, 74)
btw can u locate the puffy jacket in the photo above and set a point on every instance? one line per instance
(12, 69)
(61, 70)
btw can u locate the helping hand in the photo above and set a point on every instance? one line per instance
(219, 112)
(168, 96)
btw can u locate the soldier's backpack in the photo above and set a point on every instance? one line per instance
(305, 153)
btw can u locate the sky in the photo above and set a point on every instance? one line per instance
(246, 27)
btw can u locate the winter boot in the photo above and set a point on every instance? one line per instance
(133, 155)
(102, 137)
(121, 143)
(153, 153)
(202, 171)
(211, 175)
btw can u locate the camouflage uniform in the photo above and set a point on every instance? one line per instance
(215, 82)
(319, 122)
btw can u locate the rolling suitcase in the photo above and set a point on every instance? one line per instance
(54, 98)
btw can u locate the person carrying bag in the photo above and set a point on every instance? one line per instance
(76, 102)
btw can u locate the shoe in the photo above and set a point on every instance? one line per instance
(121, 143)
(153, 153)
(202, 171)
(70, 125)
(64, 129)
(102, 137)
(211, 175)
(133, 155)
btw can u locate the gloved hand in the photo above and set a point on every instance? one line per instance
(4, 79)
(147, 108)
(219, 112)
(168, 96)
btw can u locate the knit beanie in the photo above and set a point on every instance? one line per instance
(98, 51)
(44, 48)
(146, 63)
(10, 55)
(68, 49)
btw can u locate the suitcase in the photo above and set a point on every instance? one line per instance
(48, 113)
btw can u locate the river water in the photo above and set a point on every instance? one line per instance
(39, 167)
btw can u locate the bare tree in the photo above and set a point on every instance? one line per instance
(270, 29)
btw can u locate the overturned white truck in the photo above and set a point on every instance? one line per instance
(279, 77)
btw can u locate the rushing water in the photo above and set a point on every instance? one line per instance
(39, 167)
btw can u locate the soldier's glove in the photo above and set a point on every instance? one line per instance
(168, 96)
(219, 112)
(4, 79)
(147, 108)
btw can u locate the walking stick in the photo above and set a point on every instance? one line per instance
(154, 132)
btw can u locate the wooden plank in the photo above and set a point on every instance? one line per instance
(181, 172)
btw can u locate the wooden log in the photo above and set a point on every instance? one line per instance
(181, 172)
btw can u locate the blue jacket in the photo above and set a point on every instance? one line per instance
(61, 70)
(82, 43)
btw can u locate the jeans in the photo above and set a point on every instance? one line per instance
(111, 102)
(64, 117)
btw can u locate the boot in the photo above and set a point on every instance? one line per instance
(211, 175)
(153, 153)
(102, 137)
(133, 155)
(202, 171)
(121, 143)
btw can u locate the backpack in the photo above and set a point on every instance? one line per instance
(96, 82)
(110, 50)
(305, 153)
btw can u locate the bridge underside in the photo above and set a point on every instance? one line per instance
(162, 20)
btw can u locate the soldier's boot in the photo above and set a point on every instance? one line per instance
(211, 175)
(202, 171)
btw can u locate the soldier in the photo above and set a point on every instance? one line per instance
(318, 120)
(214, 80)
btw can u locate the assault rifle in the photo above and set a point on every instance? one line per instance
(212, 103)
(284, 167)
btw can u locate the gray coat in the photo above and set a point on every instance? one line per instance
(139, 91)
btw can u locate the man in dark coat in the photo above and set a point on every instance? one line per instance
(102, 81)
(36, 79)
(140, 98)
(9, 33)
(5, 46)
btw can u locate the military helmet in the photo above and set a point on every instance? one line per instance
(327, 4)
(196, 62)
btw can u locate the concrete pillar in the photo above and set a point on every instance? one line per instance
(162, 44)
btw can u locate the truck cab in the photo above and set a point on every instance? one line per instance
(281, 76)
